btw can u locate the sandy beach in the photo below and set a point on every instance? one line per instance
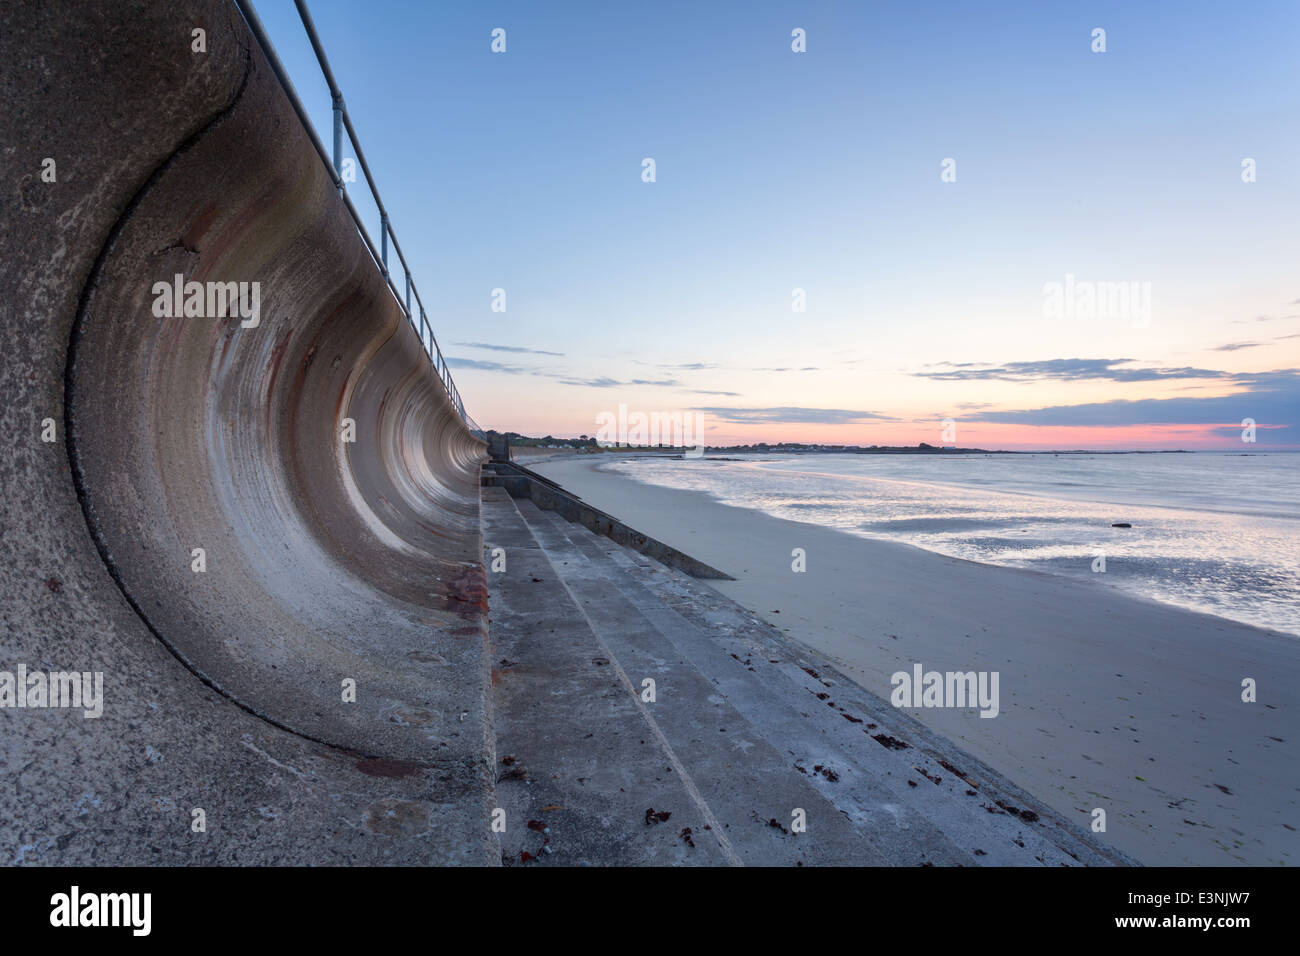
(1107, 701)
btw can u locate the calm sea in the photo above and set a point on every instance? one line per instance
(1214, 532)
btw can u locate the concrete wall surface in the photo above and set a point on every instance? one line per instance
(325, 560)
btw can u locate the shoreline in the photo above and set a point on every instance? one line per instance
(1184, 552)
(1108, 699)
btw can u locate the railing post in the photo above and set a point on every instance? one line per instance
(383, 228)
(338, 139)
(408, 295)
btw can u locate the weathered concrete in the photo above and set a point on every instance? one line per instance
(521, 482)
(325, 560)
(745, 727)
(498, 446)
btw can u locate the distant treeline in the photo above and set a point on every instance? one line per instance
(921, 449)
(583, 441)
(589, 444)
(550, 441)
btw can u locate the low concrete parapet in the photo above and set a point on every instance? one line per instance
(521, 482)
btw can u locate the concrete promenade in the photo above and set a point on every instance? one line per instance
(744, 729)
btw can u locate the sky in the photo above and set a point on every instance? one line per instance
(948, 184)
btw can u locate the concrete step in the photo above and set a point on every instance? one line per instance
(578, 767)
(791, 713)
(749, 767)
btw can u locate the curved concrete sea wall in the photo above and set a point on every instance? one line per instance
(200, 529)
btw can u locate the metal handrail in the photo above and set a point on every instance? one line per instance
(342, 121)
